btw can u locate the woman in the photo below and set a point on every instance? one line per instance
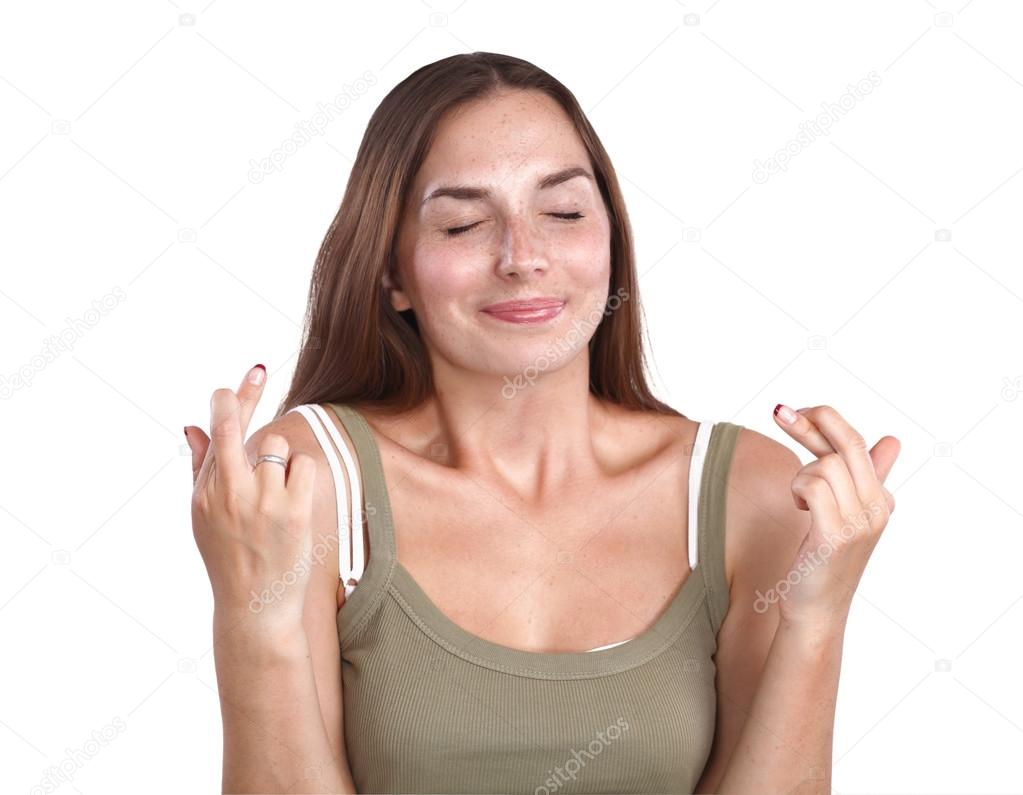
(526, 621)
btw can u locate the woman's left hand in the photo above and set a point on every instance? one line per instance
(849, 508)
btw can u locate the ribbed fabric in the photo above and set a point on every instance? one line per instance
(431, 708)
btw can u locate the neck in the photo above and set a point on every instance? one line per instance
(532, 436)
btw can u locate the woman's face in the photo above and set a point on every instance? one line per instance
(512, 230)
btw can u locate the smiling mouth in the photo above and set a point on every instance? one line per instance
(536, 311)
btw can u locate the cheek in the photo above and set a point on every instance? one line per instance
(586, 256)
(441, 277)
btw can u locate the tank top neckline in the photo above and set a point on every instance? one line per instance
(385, 573)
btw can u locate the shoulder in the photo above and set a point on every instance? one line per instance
(764, 526)
(298, 433)
(293, 427)
(299, 436)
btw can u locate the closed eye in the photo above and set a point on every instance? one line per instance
(458, 230)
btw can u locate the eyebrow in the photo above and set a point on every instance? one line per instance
(470, 192)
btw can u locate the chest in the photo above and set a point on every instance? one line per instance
(596, 566)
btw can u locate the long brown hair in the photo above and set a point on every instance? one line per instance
(356, 348)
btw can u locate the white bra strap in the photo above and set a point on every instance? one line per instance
(357, 543)
(353, 567)
(695, 478)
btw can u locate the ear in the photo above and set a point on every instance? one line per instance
(398, 298)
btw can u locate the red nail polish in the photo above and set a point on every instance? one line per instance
(785, 414)
(257, 375)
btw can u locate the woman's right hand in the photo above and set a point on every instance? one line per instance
(252, 525)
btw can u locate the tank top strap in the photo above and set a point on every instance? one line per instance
(711, 521)
(370, 467)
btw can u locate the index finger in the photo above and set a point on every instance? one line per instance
(229, 417)
(242, 409)
(823, 422)
(803, 430)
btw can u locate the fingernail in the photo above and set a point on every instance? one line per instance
(257, 375)
(787, 415)
(185, 430)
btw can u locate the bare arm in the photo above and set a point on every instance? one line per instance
(786, 742)
(274, 736)
(777, 699)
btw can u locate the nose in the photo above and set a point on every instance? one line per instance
(523, 250)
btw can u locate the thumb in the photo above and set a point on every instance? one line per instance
(198, 443)
(883, 455)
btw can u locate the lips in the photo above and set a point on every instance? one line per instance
(525, 305)
(540, 310)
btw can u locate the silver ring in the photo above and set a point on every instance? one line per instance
(276, 459)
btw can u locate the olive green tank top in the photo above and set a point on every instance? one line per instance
(430, 707)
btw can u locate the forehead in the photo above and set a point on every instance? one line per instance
(511, 134)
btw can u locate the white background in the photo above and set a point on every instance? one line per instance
(125, 150)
